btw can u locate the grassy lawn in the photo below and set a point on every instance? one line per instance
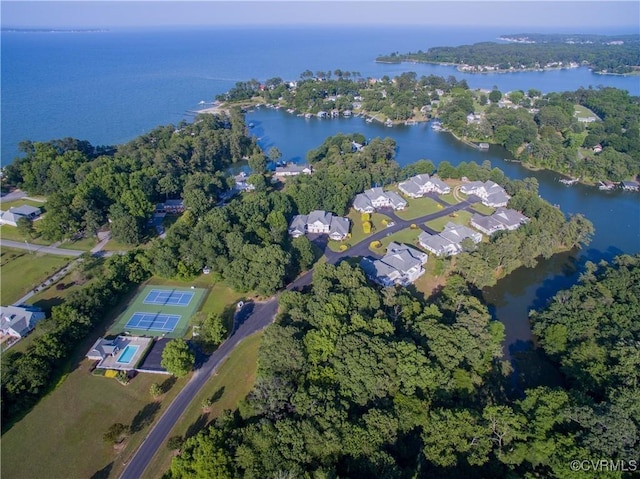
(21, 271)
(449, 198)
(84, 244)
(5, 205)
(113, 245)
(232, 382)
(583, 112)
(436, 273)
(419, 207)
(482, 209)
(407, 236)
(357, 233)
(11, 233)
(461, 218)
(66, 427)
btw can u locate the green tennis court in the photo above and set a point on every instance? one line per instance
(160, 311)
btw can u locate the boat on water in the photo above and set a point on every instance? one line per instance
(606, 185)
(569, 182)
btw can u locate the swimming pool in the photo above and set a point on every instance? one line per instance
(127, 354)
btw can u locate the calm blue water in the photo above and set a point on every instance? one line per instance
(110, 87)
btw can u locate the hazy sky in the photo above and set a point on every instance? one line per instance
(570, 15)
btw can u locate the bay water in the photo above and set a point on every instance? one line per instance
(109, 87)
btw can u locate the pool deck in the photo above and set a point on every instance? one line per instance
(111, 362)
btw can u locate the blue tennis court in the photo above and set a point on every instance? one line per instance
(168, 297)
(155, 322)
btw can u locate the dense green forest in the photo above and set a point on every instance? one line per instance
(85, 186)
(357, 381)
(607, 56)
(543, 130)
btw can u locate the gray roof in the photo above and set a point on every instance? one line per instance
(396, 199)
(437, 243)
(509, 217)
(498, 197)
(102, 348)
(25, 210)
(339, 226)
(410, 187)
(290, 168)
(19, 319)
(298, 224)
(319, 216)
(416, 253)
(487, 223)
(441, 185)
(457, 233)
(362, 202)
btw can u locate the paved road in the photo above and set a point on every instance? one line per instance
(14, 195)
(36, 248)
(261, 316)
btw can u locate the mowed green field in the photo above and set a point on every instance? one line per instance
(138, 306)
(22, 271)
(231, 383)
(62, 436)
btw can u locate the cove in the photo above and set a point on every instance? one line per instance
(615, 214)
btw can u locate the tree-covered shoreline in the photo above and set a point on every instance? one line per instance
(604, 54)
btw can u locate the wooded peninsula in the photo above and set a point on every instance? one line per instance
(604, 54)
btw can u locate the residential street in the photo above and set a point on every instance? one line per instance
(260, 315)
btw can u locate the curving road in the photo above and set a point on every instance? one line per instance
(259, 316)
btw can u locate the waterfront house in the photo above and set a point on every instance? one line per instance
(502, 219)
(12, 216)
(374, 198)
(630, 185)
(241, 182)
(491, 193)
(420, 185)
(293, 170)
(401, 265)
(449, 241)
(18, 321)
(320, 222)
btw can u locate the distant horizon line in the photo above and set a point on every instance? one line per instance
(107, 28)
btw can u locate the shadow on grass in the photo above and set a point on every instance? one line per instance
(104, 472)
(168, 383)
(145, 416)
(197, 426)
(217, 395)
(47, 304)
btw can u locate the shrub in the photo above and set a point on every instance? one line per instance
(175, 442)
(116, 433)
(375, 244)
(365, 217)
(343, 247)
(155, 390)
(366, 227)
(413, 226)
(110, 373)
